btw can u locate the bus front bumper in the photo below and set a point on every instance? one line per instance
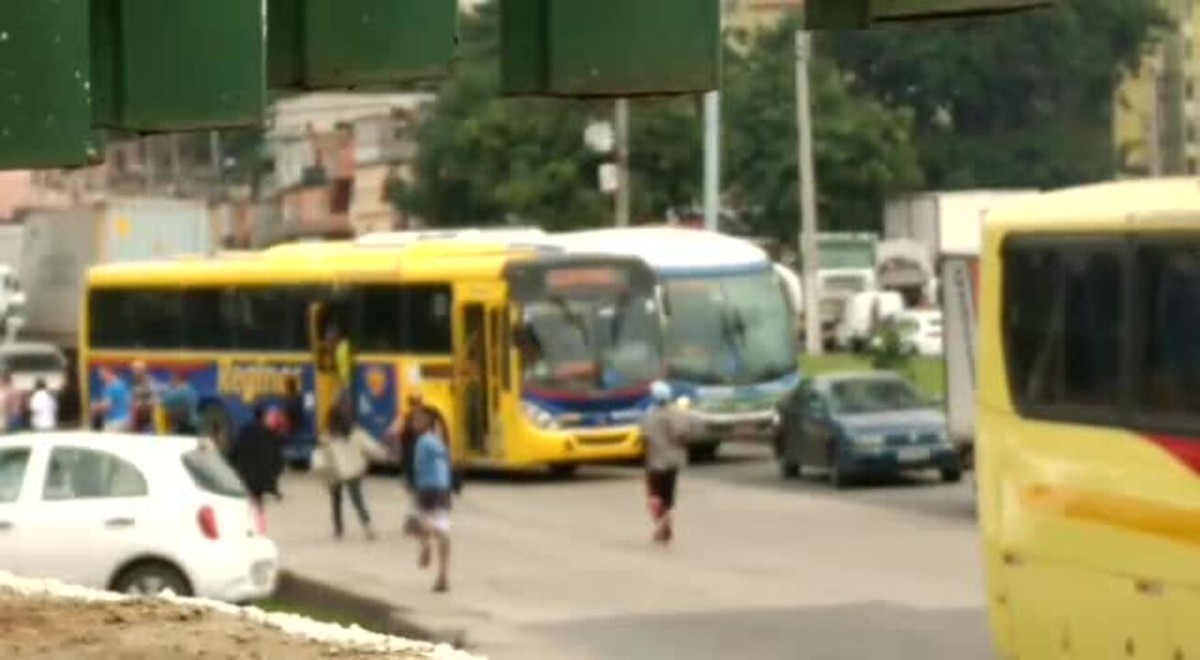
(578, 445)
(719, 427)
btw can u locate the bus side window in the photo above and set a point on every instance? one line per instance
(1168, 288)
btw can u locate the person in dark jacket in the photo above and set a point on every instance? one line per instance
(255, 456)
(70, 401)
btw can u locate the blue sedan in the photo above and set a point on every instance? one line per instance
(862, 425)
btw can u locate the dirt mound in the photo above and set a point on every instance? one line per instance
(40, 627)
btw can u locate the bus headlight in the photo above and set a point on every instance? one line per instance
(540, 418)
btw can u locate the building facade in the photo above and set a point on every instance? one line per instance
(1156, 113)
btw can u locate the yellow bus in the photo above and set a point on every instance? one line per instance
(534, 358)
(1089, 422)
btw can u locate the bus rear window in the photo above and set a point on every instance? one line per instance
(212, 474)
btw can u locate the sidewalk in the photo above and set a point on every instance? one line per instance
(533, 559)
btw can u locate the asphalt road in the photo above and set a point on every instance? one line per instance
(882, 625)
(762, 568)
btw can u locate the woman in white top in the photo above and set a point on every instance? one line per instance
(43, 408)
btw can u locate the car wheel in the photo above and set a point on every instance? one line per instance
(788, 469)
(951, 475)
(705, 453)
(151, 579)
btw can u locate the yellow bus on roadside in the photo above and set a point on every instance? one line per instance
(534, 358)
(1089, 422)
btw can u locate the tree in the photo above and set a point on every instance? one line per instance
(485, 159)
(1020, 100)
(862, 149)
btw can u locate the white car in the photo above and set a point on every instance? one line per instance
(132, 513)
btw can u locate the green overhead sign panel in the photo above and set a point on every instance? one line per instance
(585, 48)
(331, 44)
(181, 65)
(45, 104)
(855, 14)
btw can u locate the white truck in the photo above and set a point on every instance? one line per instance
(60, 245)
(950, 224)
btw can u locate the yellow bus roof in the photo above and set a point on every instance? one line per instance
(431, 261)
(1132, 204)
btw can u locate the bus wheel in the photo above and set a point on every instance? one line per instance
(216, 424)
(564, 470)
(705, 453)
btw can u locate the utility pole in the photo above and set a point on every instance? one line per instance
(214, 154)
(148, 160)
(712, 160)
(176, 166)
(622, 130)
(808, 198)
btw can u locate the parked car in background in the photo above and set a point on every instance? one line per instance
(131, 513)
(862, 425)
(29, 361)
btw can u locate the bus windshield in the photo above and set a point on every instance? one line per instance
(592, 343)
(729, 329)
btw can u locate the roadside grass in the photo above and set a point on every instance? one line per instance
(928, 373)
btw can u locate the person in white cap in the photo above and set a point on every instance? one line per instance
(664, 432)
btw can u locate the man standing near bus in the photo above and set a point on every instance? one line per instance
(664, 432)
(115, 405)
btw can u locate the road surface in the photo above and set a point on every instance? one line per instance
(762, 568)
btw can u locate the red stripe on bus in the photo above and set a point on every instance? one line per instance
(1185, 450)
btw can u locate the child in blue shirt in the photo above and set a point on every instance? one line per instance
(432, 478)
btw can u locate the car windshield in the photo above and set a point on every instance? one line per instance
(874, 395)
(730, 329)
(212, 474)
(33, 361)
(599, 342)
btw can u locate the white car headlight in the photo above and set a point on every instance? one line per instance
(540, 418)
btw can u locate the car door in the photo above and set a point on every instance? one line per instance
(88, 499)
(815, 430)
(16, 468)
(790, 409)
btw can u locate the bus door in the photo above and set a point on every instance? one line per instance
(478, 326)
(326, 382)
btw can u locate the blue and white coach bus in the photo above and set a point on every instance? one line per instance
(730, 341)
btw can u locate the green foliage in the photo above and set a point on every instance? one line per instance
(862, 149)
(1020, 100)
(488, 160)
(889, 351)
